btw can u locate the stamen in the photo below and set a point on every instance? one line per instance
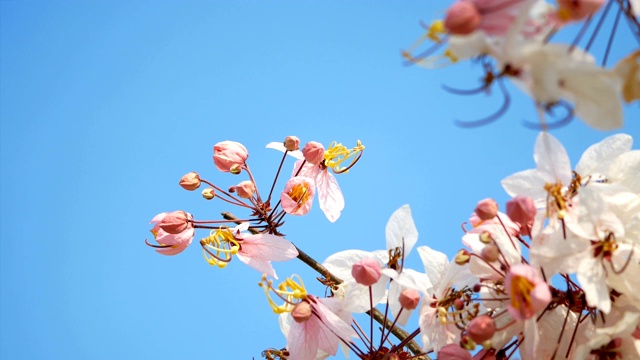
(289, 291)
(219, 247)
(337, 153)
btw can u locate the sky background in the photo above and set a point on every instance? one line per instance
(104, 105)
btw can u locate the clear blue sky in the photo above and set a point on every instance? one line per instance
(104, 105)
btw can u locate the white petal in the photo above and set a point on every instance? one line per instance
(526, 183)
(329, 195)
(401, 232)
(280, 147)
(552, 160)
(597, 158)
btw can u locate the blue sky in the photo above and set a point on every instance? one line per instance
(105, 105)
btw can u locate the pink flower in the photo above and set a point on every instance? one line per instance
(228, 155)
(258, 251)
(297, 196)
(529, 293)
(171, 244)
(330, 196)
(321, 331)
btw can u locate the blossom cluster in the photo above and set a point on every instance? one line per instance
(555, 275)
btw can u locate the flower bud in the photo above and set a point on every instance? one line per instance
(462, 257)
(481, 328)
(291, 143)
(453, 352)
(245, 189)
(313, 152)
(522, 210)
(366, 272)
(208, 193)
(301, 312)
(462, 18)
(227, 154)
(409, 299)
(175, 222)
(190, 181)
(486, 209)
(490, 253)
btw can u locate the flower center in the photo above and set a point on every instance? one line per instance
(300, 194)
(521, 289)
(219, 247)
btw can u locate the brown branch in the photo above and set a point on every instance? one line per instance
(377, 315)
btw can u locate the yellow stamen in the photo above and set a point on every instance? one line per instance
(435, 30)
(219, 247)
(338, 153)
(521, 289)
(451, 56)
(556, 203)
(300, 194)
(290, 290)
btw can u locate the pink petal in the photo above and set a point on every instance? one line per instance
(329, 195)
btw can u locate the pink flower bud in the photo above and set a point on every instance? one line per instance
(175, 222)
(245, 189)
(190, 181)
(453, 352)
(462, 18)
(313, 152)
(208, 193)
(481, 328)
(291, 143)
(490, 253)
(409, 299)
(522, 210)
(366, 271)
(301, 312)
(577, 9)
(228, 154)
(486, 209)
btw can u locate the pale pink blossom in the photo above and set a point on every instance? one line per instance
(323, 331)
(528, 292)
(297, 196)
(330, 196)
(171, 244)
(228, 155)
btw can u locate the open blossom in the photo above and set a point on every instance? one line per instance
(401, 235)
(319, 324)
(529, 293)
(255, 250)
(172, 244)
(229, 154)
(297, 196)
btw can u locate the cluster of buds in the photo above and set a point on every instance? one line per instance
(256, 240)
